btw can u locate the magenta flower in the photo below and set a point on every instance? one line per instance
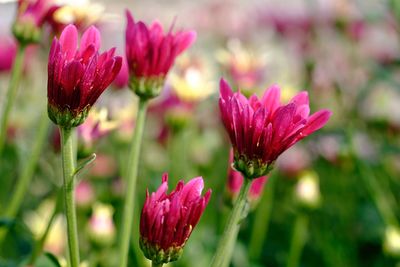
(235, 182)
(31, 15)
(32, 11)
(77, 77)
(151, 53)
(167, 220)
(8, 50)
(261, 129)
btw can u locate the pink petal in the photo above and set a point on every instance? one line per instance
(184, 40)
(91, 37)
(69, 41)
(271, 99)
(316, 121)
(225, 90)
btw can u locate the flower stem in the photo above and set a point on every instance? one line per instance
(27, 173)
(68, 164)
(299, 237)
(153, 264)
(131, 178)
(11, 93)
(226, 244)
(261, 220)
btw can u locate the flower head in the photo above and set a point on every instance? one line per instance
(77, 77)
(261, 129)
(167, 220)
(30, 18)
(151, 53)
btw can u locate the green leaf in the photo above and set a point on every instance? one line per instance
(85, 162)
(45, 260)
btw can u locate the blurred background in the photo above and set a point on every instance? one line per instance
(331, 200)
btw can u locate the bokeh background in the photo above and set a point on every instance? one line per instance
(334, 197)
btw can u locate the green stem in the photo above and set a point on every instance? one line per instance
(262, 220)
(11, 93)
(226, 244)
(153, 264)
(131, 178)
(27, 173)
(299, 237)
(40, 242)
(378, 195)
(68, 164)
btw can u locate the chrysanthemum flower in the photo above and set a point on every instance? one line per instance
(167, 220)
(261, 129)
(151, 53)
(29, 20)
(77, 77)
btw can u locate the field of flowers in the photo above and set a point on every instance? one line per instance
(201, 133)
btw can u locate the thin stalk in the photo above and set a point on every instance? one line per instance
(299, 237)
(226, 244)
(68, 164)
(26, 175)
(42, 240)
(262, 220)
(131, 178)
(153, 264)
(11, 93)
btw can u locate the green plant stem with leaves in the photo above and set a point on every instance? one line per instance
(131, 179)
(16, 74)
(299, 237)
(153, 264)
(227, 242)
(27, 172)
(261, 220)
(68, 165)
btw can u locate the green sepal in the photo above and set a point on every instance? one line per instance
(146, 88)
(158, 255)
(26, 33)
(251, 168)
(66, 118)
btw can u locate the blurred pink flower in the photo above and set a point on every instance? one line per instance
(77, 77)
(260, 130)
(8, 50)
(84, 193)
(32, 11)
(122, 79)
(167, 220)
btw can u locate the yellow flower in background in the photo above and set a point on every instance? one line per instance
(307, 189)
(37, 222)
(191, 79)
(81, 13)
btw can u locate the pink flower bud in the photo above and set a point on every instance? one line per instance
(150, 54)
(167, 220)
(77, 77)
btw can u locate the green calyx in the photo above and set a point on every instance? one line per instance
(146, 88)
(251, 168)
(67, 118)
(26, 32)
(158, 255)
